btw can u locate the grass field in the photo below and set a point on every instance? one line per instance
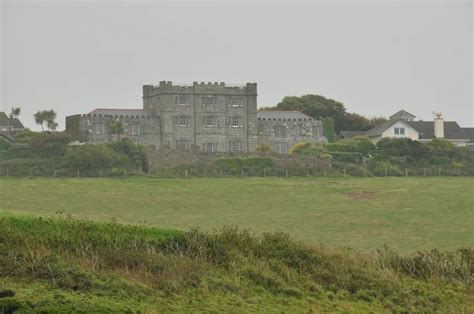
(365, 213)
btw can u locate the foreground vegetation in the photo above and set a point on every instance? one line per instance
(408, 214)
(64, 265)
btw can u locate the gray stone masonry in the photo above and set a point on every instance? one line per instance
(206, 117)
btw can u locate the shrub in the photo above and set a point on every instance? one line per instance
(339, 147)
(347, 157)
(4, 145)
(382, 168)
(403, 147)
(328, 127)
(89, 157)
(264, 148)
(305, 148)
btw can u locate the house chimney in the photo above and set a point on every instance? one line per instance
(438, 126)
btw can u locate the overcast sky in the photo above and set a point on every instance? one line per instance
(375, 57)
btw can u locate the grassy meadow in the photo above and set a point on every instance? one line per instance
(407, 214)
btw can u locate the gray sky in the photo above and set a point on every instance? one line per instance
(375, 57)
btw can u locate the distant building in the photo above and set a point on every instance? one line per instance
(9, 125)
(209, 117)
(402, 125)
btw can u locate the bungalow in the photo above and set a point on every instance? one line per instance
(402, 125)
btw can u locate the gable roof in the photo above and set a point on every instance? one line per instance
(402, 114)
(289, 115)
(452, 130)
(351, 134)
(6, 121)
(379, 129)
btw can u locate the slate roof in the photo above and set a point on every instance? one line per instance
(351, 134)
(452, 130)
(288, 115)
(402, 114)
(120, 112)
(6, 121)
(469, 133)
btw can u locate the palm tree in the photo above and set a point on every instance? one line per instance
(15, 113)
(116, 127)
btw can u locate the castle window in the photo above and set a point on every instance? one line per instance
(183, 144)
(280, 131)
(281, 148)
(316, 131)
(182, 100)
(183, 121)
(134, 129)
(234, 102)
(209, 100)
(210, 121)
(98, 128)
(235, 122)
(235, 146)
(210, 147)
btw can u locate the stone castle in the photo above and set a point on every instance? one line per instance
(209, 117)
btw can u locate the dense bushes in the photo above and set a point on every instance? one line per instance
(134, 262)
(253, 165)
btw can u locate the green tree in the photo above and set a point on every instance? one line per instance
(316, 106)
(116, 127)
(356, 122)
(329, 131)
(47, 117)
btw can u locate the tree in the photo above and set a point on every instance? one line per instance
(15, 112)
(116, 127)
(356, 122)
(328, 126)
(48, 117)
(316, 106)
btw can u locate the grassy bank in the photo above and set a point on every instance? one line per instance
(65, 265)
(365, 213)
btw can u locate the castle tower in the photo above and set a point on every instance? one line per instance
(211, 117)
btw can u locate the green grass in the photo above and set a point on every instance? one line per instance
(406, 213)
(65, 266)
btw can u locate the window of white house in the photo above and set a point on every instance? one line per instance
(399, 131)
(234, 102)
(183, 121)
(235, 122)
(209, 121)
(235, 146)
(210, 147)
(280, 131)
(182, 100)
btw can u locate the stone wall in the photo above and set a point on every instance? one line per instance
(211, 116)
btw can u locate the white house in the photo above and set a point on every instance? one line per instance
(402, 125)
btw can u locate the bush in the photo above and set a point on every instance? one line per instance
(305, 148)
(403, 147)
(339, 147)
(253, 165)
(89, 157)
(347, 157)
(382, 168)
(4, 145)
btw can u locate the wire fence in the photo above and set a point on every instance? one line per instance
(190, 172)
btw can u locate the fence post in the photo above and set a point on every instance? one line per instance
(424, 172)
(7, 172)
(365, 172)
(242, 172)
(205, 172)
(78, 173)
(221, 172)
(386, 171)
(186, 173)
(31, 171)
(344, 172)
(124, 172)
(101, 173)
(406, 172)
(264, 172)
(307, 172)
(54, 173)
(439, 172)
(324, 172)
(286, 173)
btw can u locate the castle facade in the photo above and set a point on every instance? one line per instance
(210, 117)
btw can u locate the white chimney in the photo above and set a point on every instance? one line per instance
(439, 126)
